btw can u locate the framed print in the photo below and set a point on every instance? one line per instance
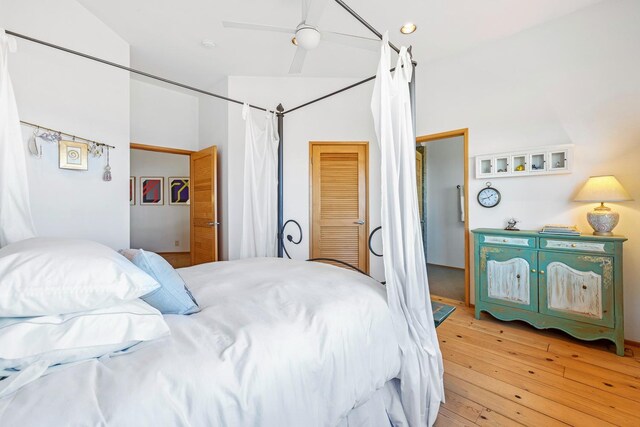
(73, 155)
(178, 190)
(151, 191)
(132, 190)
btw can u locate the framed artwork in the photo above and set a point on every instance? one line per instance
(132, 190)
(151, 191)
(73, 155)
(179, 191)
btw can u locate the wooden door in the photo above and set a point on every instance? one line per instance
(204, 209)
(339, 202)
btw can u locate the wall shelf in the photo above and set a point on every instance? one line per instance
(550, 160)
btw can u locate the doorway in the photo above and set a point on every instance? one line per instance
(339, 214)
(442, 181)
(173, 203)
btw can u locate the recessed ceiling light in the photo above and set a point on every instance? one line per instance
(208, 43)
(408, 28)
(294, 41)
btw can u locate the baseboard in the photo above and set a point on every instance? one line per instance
(632, 343)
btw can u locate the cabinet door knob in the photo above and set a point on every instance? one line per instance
(533, 270)
(573, 245)
(504, 240)
(541, 271)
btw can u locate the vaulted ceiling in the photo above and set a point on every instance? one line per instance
(166, 35)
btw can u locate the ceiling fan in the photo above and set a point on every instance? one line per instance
(307, 35)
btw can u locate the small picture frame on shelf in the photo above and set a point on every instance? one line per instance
(151, 191)
(73, 155)
(179, 191)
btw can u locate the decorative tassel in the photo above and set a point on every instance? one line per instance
(107, 169)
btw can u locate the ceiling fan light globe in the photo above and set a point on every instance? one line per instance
(308, 38)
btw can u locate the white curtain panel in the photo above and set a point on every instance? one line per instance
(421, 386)
(259, 212)
(15, 210)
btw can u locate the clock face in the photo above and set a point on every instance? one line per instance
(489, 197)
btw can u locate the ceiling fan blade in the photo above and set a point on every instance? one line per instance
(351, 40)
(305, 9)
(257, 27)
(298, 61)
(315, 9)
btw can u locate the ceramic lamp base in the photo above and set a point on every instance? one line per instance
(603, 220)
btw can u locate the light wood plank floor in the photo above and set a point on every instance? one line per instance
(509, 373)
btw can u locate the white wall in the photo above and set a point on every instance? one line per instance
(347, 117)
(573, 80)
(445, 232)
(213, 130)
(164, 117)
(157, 228)
(79, 96)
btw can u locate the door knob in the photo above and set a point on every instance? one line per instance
(213, 223)
(359, 222)
(533, 270)
(541, 272)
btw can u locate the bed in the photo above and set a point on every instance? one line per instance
(277, 342)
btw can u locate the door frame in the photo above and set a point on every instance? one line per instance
(465, 134)
(166, 150)
(366, 174)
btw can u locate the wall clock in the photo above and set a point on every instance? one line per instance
(489, 197)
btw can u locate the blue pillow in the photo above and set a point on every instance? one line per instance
(172, 297)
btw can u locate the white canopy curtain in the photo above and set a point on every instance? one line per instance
(421, 387)
(15, 209)
(260, 210)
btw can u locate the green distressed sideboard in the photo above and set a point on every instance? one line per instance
(571, 283)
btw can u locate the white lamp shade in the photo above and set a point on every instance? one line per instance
(604, 188)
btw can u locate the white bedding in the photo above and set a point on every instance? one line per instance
(277, 343)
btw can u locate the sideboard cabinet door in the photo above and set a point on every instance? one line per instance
(508, 277)
(578, 287)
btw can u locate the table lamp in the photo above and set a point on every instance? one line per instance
(601, 189)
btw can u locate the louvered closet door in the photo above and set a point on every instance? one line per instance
(339, 209)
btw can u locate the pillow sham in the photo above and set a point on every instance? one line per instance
(67, 338)
(173, 296)
(43, 276)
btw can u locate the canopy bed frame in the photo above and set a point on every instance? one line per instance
(281, 112)
(407, 346)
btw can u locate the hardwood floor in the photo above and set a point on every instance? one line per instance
(509, 373)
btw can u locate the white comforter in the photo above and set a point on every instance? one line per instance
(277, 343)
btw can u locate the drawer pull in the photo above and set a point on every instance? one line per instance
(573, 245)
(533, 270)
(584, 287)
(541, 271)
(504, 240)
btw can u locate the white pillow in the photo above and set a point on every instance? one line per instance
(43, 276)
(72, 337)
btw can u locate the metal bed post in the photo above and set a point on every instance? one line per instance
(280, 115)
(412, 93)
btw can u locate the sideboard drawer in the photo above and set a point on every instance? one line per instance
(524, 242)
(574, 245)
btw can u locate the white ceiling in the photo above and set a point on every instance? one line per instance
(165, 35)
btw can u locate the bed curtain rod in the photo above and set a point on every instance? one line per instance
(131, 70)
(364, 22)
